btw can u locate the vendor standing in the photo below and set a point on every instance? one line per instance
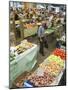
(41, 37)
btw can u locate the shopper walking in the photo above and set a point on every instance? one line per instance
(41, 37)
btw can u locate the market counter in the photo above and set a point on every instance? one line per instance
(49, 31)
(50, 71)
(53, 29)
(29, 32)
(33, 30)
(23, 62)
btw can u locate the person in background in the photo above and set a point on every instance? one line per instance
(41, 37)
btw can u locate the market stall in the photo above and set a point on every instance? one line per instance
(49, 72)
(24, 59)
(33, 30)
(28, 26)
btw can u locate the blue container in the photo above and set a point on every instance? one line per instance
(27, 84)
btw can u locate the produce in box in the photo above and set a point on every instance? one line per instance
(23, 47)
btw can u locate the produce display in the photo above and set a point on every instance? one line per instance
(23, 47)
(60, 52)
(44, 80)
(47, 72)
(20, 80)
(29, 26)
(30, 31)
(57, 59)
(54, 64)
(53, 68)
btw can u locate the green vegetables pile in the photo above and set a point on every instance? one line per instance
(57, 59)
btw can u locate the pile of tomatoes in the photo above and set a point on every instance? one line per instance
(59, 52)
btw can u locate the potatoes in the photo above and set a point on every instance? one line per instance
(44, 80)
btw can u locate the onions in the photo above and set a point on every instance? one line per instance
(44, 80)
